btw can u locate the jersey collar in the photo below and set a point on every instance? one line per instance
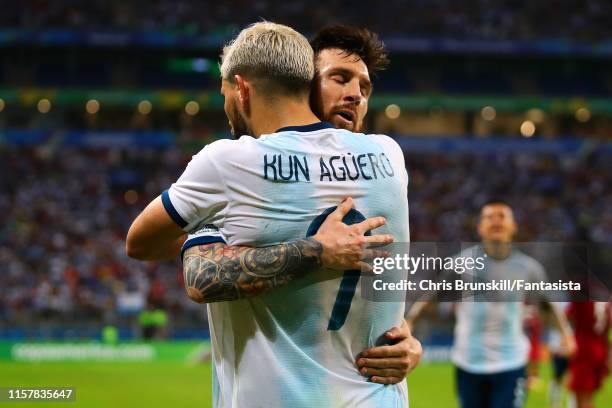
(307, 128)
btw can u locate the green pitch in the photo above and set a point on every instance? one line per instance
(155, 385)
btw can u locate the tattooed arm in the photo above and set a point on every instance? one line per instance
(218, 272)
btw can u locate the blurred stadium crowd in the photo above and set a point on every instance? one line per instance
(62, 248)
(474, 19)
(65, 207)
(65, 217)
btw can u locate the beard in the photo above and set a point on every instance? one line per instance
(352, 127)
(238, 125)
(355, 127)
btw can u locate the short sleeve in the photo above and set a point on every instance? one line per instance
(198, 196)
(207, 234)
(538, 274)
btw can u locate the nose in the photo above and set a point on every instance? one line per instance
(497, 224)
(353, 93)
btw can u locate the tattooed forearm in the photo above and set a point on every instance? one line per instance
(217, 272)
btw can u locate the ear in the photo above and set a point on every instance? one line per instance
(514, 228)
(244, 91)
(480, 229)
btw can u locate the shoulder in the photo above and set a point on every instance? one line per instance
(472, 251)
(528, 262)
(226, 145)
(223, 149)
(524, 258)
(391, 147)
(386, 141)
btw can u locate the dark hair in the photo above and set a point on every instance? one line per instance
(496, 201)
(353, 40)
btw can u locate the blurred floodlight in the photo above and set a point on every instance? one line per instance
(44, 105)
(583, 115)
(1, 104)
(528, 128)
(144, 107)
(192, 108)
(200, 65)
(92, 106)
(130, 197)
(488, 113)
(393, 111)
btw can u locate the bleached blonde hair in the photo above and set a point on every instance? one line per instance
(272, 55)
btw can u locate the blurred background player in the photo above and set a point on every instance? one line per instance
(153, 321)
(490, 349)
(559, 360)
(533, 329)
(589, 366)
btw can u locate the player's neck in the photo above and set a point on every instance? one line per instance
(269, 117)
(497, 250)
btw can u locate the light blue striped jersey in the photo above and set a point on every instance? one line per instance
(279, 349)
(489, 336)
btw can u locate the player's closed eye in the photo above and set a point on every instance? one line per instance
(341, 79)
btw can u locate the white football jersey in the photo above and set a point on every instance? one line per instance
(294, 346)
(489, 336)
